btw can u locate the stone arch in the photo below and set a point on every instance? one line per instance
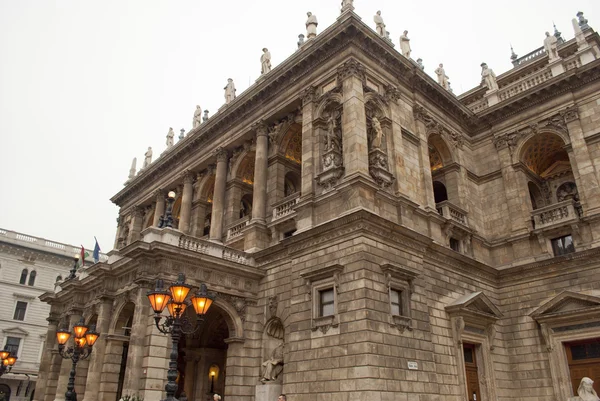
(291, 183)
(439, 150)
(231, 316)
(331, 98)
(243, 168)
(122, 314)
(375, 103)
(541, 150)
(290, 145)
(206, 188)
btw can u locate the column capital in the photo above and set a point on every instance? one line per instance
(260, 127)
(570, 114)
(188, 177)
(351, 68)
(308, 95)
(221, 154)
(159, 193)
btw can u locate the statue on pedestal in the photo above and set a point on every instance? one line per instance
(551, 47)
(197, 116)
(377, 133)
(147, 157)
(170, 138)
(405, 44)
(311, 26)
(273, 366)
(265, 61)
(585, 391)
(229, 91)
(379, 25)
(488, 76)
(442, 77)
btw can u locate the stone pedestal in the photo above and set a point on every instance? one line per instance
(492, 97)
(256, 237)
(586, 56)
(557, 67)
(268, 391)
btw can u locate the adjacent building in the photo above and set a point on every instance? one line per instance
(29, 267)
(369, 236)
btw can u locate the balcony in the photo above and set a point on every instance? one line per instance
(210, 248)
(452, 213)
(285, 207)
(559, 214)
(236, 229)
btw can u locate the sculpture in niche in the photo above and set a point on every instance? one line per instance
(148, 157)
(170, 138)
(265, 61)
(379, 24)
(405, 44)
(273, 367)
(197, 116)
(568, 190)
(551, 47)
(229, 91)
(585, 391)
(378, 160)
(488, 76)
(332, 149)
(311, 27)
(377, 133)
(332, 141)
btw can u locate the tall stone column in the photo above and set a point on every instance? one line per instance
(65, 367)
(186, 202)
(305, 218)
(257, 234)
(41, 385)
(92, 386)
(136, 225)
(587, 183)
(135, 355)
(216, 225)
(354, 119)
(259, 194)
(159, 210)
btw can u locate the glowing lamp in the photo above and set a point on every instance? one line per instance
(80, 342)
(180, 290)
(62, 336)
(10, 361)
(4, 354)
(174, 308)
(171, 195)
(158, 298)
(80, 329)
(202, 300)
(91, 336)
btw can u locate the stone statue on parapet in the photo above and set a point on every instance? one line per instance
(205, 116)
(488, 77)
(300, 40)
(583, 22)
(170, 138)
(265, 61)
(420, 64)
(551, 47)
(311, 26)
(379, 24)
(181, 134)
(405, 44)
(229, 91)
(197, 116)
(148, 157)
(585, 391)
(132, 169)
(442, 77)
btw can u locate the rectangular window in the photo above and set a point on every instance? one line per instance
(12, 345)
(20, 310)
(326, 302)
(396, 302)
(455, 244)
(563, 245)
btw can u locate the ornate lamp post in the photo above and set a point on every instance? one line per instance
(175, 324)
(74, 268)
(167, 219)
(85, 338)
(7, 360)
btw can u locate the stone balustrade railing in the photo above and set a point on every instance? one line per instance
(537, 53)
(40, 243)
(452, 212)
(236, 229)
(285, 207)
(565, 212)
(210, 248)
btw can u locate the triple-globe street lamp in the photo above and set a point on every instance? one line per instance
(7, 360)
(174, 299)
(85, 338)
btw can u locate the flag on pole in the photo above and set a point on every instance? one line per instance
(96, 252)
(82, 256)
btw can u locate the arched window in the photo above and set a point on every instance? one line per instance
(291, 184)
(439, 192)
(32, 278)
(58, 278)
(246, 206)
(23, 279)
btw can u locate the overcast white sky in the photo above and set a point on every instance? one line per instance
(86, 85)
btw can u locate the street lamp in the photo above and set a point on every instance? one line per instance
(85, 338)
(7, 360)
(167, 220)
(74, 268)
(175, 299)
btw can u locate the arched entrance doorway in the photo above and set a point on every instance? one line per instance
(203, 356)
(4, 392)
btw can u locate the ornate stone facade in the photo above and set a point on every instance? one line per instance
(369, 236)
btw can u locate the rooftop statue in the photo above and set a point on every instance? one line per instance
(442, 77)
(147, 157)
(488, 77)
(551, 47)
(405, 44)
(420, 63)
(583, 22)
(300, 40)
(311, 26)
(265, 61)
(181, 134)
(379, 25)
(197, 116)
(170, 138)
(347, 5)
(205, 116)
(229, 91)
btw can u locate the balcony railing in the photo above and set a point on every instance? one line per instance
(236, 229)
(285, 207)
(561, 213)
(212, 249)
(451, 212)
